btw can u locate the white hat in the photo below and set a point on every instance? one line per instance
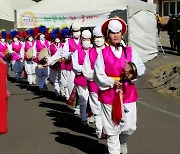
(115, 26)
(86, 34)
(76, 26)
(97, 31)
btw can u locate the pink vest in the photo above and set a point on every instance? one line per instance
(92, 86)
(118, 64)
(27, 47)
(80, 80)
(3, 49)
(72, 47)
(53, 50)
(40, 47)
(16, 49)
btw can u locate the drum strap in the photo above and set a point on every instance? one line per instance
(124, 50)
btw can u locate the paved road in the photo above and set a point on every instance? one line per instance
(41, 124)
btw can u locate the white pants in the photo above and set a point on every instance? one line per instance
(70, 81)
(42, 74)
(130, 120)
(30, 70)
(55, 76)
(83, 95)
(96, 110)
(119, 133)
(17, 66)
(64, 85)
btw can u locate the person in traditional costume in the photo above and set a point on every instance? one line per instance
(79, 58)
(66, 34)
(41, 52)
(99, 44)
(56, 56)
(117, 95)
(70, 46)
(4, 51)
(29, 58)
(16, 49)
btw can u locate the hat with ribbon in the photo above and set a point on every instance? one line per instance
(115, 25)
(28, 32)
(3, 34)
(15, 33)
(40, 30)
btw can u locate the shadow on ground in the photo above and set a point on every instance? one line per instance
(77, 136)
(23, 84)
(86, 145)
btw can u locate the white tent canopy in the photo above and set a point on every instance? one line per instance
(140, 18)
(74, 5)
(20, 4)
(6, 12)
(142, 30)
(7, 7)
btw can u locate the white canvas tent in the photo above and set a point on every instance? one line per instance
(142, 30)
(7, 11)
(7, 7)
(140, 18)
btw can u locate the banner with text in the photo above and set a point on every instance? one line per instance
(27, 19)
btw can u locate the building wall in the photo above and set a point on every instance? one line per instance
(164, 7)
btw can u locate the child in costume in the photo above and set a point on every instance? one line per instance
(99, 45)
(79, 58)
(29, 58)
(41, 52)
(16, 49)
(56, 55)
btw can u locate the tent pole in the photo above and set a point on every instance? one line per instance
(128, 24)
(15, 19)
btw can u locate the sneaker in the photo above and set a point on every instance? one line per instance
(77, 111)
(101, 135)
(124, 148)
(98, 136)
(91, 119)
(34, 83)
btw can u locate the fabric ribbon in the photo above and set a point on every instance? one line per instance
(117, 108)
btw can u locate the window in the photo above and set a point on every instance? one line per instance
(169, 7)
(178, 7)
(165, 9)
(172, 8)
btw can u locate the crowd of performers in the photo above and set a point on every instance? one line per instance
(81, 65)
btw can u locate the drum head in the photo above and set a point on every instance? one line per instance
(43, 53)
(131, 71)
(29, 53)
